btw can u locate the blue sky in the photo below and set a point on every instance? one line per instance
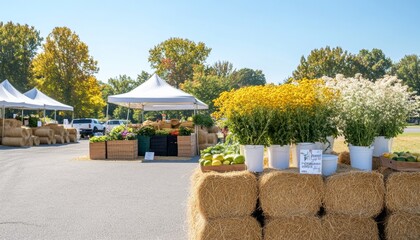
(266, 35)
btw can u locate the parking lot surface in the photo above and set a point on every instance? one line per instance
(55, 192)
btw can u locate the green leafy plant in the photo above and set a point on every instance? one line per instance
(99, 139)
(184, 131)
(203, 120)
(162, 133)
(146, 131)
(122, 133)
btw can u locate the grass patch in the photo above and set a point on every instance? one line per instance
(404, 142)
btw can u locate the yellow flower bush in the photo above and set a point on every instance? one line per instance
(300, 111)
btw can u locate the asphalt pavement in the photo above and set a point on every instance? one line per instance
(54, 192)
(412, 129)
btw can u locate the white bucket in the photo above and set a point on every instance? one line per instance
(361, 157)
(254, 157)
(278, 156)
(381, 145)
(300, 146)
(329, 164)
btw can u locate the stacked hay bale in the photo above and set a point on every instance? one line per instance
(290, 203)
(58, 132)
(206, 139)
(403, 203)
(72, 134)
(221, 204)
(352, 200)
(16, 137)
(45, 135)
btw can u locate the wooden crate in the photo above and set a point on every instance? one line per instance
(400, 165)
(97, 150)
(122, 149)
(187, 146)
(224, 168)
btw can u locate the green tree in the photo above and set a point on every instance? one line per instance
(18, 46)
(408, 70)
(142, 77)
(175, 58)
(65, 71)
(221, 69)
(372, 64)
(326, 62)
(247, 77)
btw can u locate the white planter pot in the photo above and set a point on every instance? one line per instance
(381, 145)
(329, 164)
(361, 157)
(254, 157)
(278, 156)
(300, 146)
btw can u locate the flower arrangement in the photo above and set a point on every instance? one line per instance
(146, 131)
(122, 133)
(98, 139)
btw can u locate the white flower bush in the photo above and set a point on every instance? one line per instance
(368, 109)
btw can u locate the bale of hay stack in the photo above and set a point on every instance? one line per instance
(66, 139)
(349, 227)
(232, 194)
(59, 139)
(344, 158)
(35, 140)
(403, 192)
(53, 140)
(12, 123)
(72, 138)
(402, 226)
(188, 124)
(44, 132)
(296, 227)
(288, 193)
(16, 132)
(13, 141)
(355, 193)
(72, 131)
(211, 138)
(213, 129)
(44, 140)
(202, 137)
(28, 141)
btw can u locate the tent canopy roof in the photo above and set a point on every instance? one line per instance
(25, 102)
(48, 102)
(155, 94)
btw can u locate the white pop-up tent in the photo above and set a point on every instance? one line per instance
(155, 95)
(48, 102)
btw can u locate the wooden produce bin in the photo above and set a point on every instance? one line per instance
(97, 150)
(187, 146)
(122, 149)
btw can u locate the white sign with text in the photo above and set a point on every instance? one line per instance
(310, 161)
(149, 156)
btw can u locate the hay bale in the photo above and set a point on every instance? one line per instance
(232, 194)
(403, 192)
(72, 131)
(297, 227)
(288, 193)
(66, 139)
(348, 227)
(355, 193)
(202, 137)
(13, 141)
(187, 124)
(28, 141)
(211, 138)
(59, 139)
(44, 140)
(213, 129)
(44, 132)
(344, 158)
(402, 226)
(342, 168)
(73, 138)
(35, 140)
(53, 140)
(16, 132)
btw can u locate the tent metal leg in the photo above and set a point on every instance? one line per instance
(128, 111)
(107, 108)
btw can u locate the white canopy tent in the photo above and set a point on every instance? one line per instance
(48, 102)
(155, 95)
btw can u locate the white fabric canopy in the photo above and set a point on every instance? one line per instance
(154, 95)
(27, 102)
(8, 100)
(48, 103)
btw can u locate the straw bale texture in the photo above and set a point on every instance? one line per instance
(288, 193)
(72, 131)
(402, 226)
(67, 139)
(44, 132)
(213, 129)
(232, 194)
(211, 138)
(53, 140)
(44, 140)
(348, 228)
(293, 228)
(355, 193)
(28, 141)
(403, 192)
(344, 158)
(72, 138)
(16, 132)
(376, 163)
(13, 141)
(187, 124)
(202, 137)
(59, 139)
(35, 140)
(10, 123)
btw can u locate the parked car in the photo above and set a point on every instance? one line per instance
(110, 124)
(88, 126)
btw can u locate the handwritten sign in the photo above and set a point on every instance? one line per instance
(149, 156)
(310, 161)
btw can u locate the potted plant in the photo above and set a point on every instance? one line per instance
(395, 103)
(159, 143)
(186, 142)
(143, 137)
(358, 116)
(280, 136)
(122, 144)
(97, 147)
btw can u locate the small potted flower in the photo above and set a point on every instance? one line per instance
(143, 137)
(123, 143)
(97, 147)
